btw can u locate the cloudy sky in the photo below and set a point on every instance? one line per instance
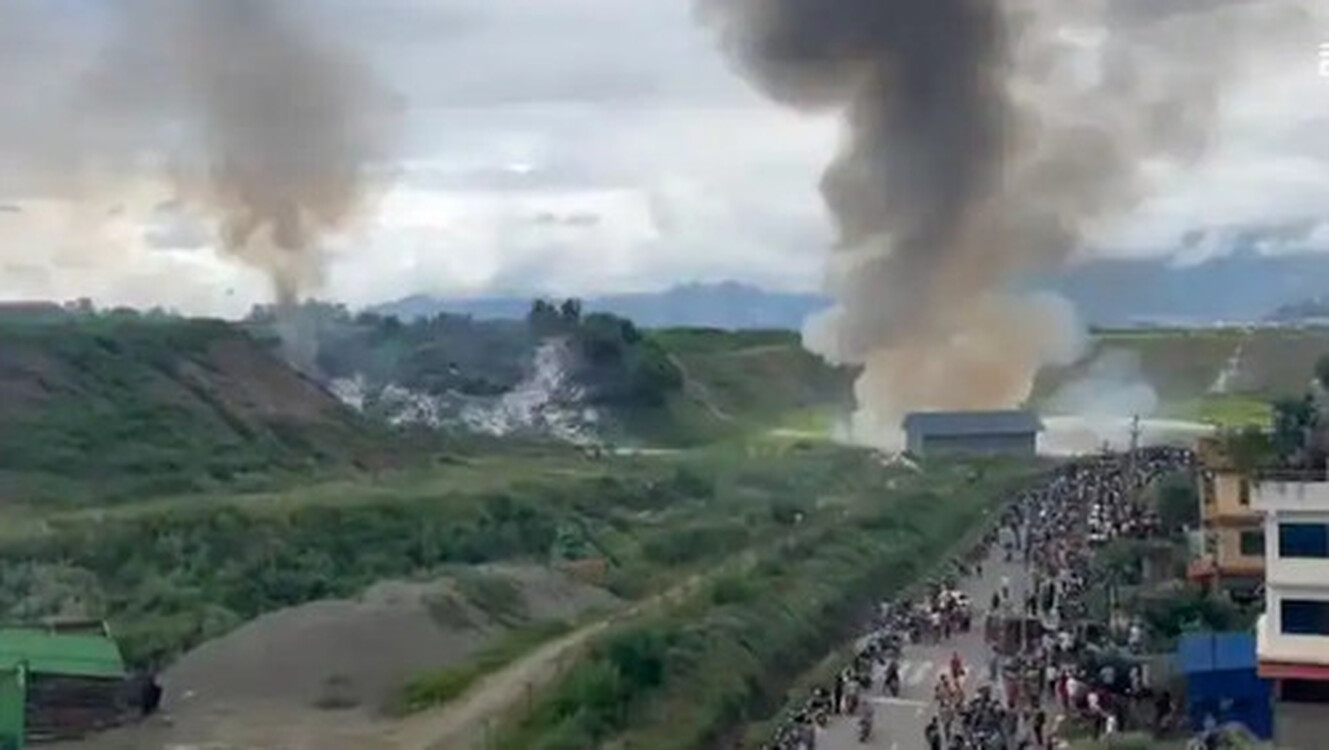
(586, 146)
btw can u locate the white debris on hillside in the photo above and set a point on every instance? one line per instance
(546, 402)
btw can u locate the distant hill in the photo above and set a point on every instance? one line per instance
(1241, 287)
(727, 305)
(1314, 310)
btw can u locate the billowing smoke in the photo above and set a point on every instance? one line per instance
(983, 141)
(235, 115)
(1113, 385)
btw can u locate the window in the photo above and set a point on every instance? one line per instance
(1252, 543)
(1305, 617)
(1245, 492)
(1305, 691)
(1303, 540)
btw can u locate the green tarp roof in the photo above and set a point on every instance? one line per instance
(69, 655)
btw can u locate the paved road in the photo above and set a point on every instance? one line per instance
(899, 722)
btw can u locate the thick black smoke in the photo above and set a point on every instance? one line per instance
(982, 141)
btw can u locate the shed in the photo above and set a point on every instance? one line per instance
(1012, 433)
(60, 681)
(1221, 680)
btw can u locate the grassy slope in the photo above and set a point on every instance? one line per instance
(739, 381)
(1184, 365)
(111, 408)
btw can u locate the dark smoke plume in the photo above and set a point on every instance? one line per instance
(237, 113)
(982, 142)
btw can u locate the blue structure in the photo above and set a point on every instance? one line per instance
(1221, 680)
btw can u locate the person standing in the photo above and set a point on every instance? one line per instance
(932, 733)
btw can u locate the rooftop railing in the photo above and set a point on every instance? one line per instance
(1292, 475)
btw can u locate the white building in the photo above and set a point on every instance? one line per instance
(1293, 632)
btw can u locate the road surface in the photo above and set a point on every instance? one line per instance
(899, 722)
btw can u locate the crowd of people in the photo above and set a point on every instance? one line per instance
(939, 613)
(1059, 664)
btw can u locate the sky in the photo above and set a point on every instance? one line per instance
(579, 147)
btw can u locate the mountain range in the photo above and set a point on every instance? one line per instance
(1244, 287)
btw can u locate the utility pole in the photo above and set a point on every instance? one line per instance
(1135, 445)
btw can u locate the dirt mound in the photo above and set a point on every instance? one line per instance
(359, 652)
(319, 675)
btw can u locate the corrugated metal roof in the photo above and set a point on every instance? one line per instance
(972, 422)
(69, 655)
(1216, 652)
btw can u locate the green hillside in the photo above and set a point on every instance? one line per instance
(120, 406)
(1222, 375)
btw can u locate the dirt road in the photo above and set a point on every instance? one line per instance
(464, 723)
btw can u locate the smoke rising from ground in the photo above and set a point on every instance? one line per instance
(983, 141)
(236, 115)
(1113, 385)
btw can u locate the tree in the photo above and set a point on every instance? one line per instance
(544, 318)
(1178, 502)
(571, 311)
(1250, 449)
(1295, 420)
(1322, 371)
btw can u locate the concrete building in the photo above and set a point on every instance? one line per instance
(1233, 530)
(1011, 433)
(1292, 636)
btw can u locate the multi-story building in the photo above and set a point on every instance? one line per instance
(1233, 531)
(1293, 633)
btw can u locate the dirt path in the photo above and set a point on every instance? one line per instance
(465, 723)
(699, 391)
